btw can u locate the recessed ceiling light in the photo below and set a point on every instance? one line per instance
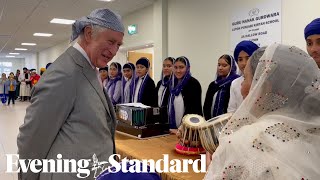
(14, 53)
(10, 56)
(42, 34)
(20, 49)
(62, 21)
(28, 44)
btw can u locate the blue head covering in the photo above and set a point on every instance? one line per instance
(132, 83)
(112, 82)
(129, 66)
(104, 68)
(101, 17)
(145, 62)
(47, 66)
(166, 80)
(247, 46)
(175, 90)
(312, 28)
(224, 84)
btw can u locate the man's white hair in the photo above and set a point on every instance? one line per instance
(96, 29)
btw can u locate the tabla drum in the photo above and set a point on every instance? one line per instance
(188, 134)
(210, 131)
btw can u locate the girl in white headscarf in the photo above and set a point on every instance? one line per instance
(275, 133)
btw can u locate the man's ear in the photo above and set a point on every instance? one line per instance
(87, 33)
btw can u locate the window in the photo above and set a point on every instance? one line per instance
(5, 67)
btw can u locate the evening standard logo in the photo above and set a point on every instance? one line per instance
(84, 167)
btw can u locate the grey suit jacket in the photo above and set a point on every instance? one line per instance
(70, 114)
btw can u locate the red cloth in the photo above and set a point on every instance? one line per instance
(34, 79)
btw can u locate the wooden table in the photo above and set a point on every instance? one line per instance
(154, 148)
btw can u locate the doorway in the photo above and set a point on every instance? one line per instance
(134, 56)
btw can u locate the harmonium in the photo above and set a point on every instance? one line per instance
(140, 121)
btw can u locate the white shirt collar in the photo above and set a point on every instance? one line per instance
(81, 50)
(142, 77)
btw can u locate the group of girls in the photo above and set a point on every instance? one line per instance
(132, 83)
(177, 90)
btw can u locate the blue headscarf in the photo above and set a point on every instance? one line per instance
(165, 80)
(112, 82)
(145, 62)
(247, 46)
(124, 82)
(47, 66)
(175, 90)
(224, 86)
(312, 28)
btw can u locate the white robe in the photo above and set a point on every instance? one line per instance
(235, 95)
(24, 88)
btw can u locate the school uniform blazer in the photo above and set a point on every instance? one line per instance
(70, 114)
(166, 94)
(191, 94)
(208, 103)
(149, 95)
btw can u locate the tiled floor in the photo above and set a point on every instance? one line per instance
(11, 117)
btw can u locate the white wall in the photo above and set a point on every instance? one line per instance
(146, 50)
(296, 15)
(200, 30)
(144, 21)
(152, 29)
(31, 61)
(120, 57)
(51, 54)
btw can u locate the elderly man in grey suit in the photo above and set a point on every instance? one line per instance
(70, 114)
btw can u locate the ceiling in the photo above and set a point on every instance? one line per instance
(19, 19)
